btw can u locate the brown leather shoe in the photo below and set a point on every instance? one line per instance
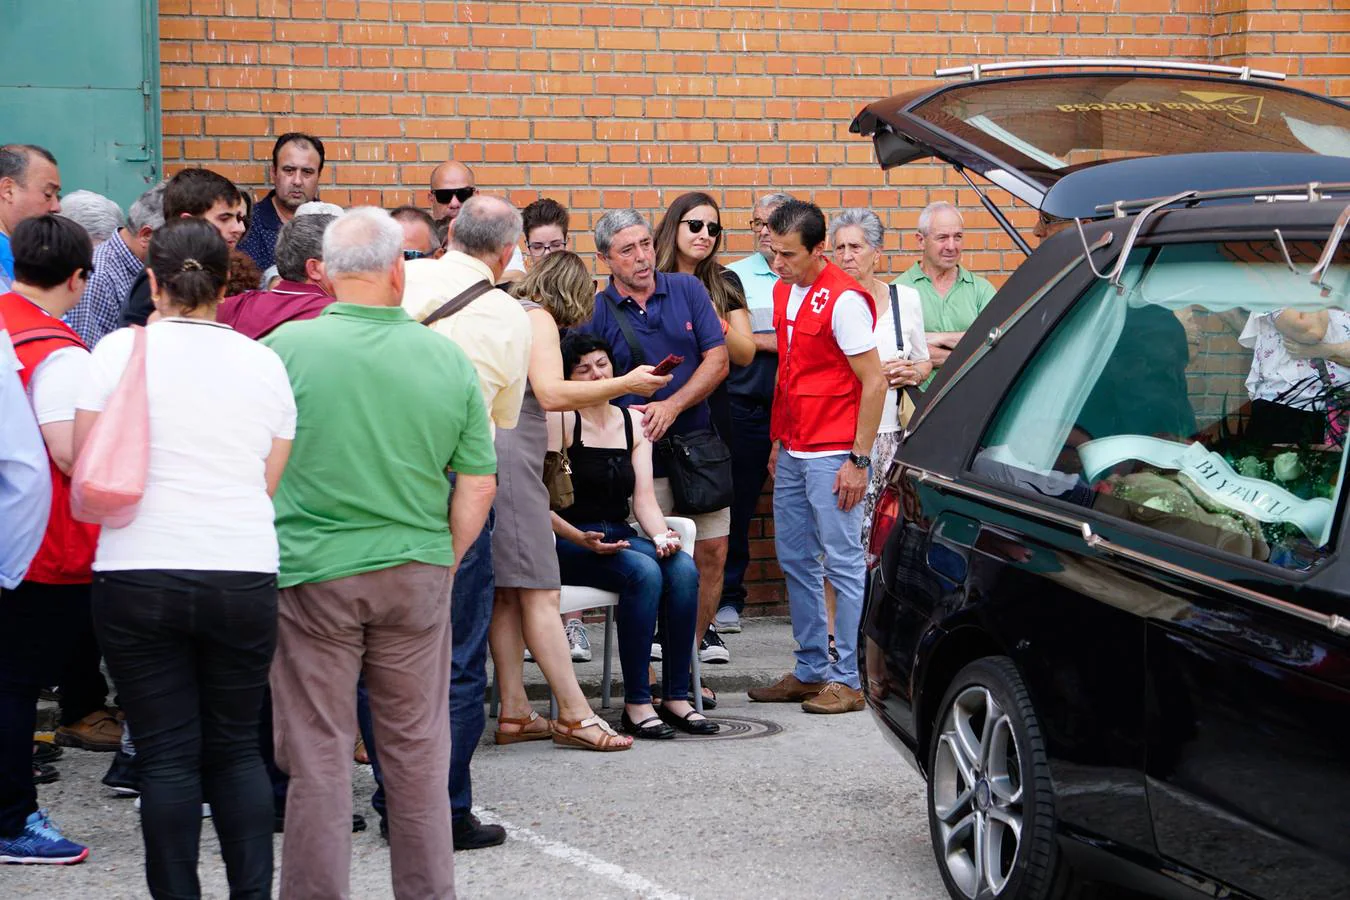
(789, 689)
(835, 698)
(99, 731)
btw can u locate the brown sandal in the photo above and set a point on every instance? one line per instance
(565, 735)
(524, 732)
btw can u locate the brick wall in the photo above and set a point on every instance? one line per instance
(630, 104)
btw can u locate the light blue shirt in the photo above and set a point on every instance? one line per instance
(25, 478)
(6, 261)
(758, 280)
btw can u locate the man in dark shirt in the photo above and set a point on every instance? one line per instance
(297, 163)
(669, 313)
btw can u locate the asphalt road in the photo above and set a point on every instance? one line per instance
(824, 808)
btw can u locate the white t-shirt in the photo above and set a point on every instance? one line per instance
(851, 323)
(916, 345)
(217, 400)
(56, 383)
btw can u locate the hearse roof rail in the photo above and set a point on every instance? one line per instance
(978, 70)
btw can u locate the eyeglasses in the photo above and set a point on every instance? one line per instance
(444, 195)
(696, 225)
(757, 224)
(415, 254)
(539, 249)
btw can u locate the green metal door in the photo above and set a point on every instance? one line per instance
(81, 78)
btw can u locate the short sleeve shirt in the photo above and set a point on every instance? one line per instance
(384, 407)
(679, 319)
(957, 311)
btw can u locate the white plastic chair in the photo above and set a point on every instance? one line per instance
(576, 598)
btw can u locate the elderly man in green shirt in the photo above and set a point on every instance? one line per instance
(952, 296)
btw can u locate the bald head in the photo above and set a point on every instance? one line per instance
(451, 185)
(487, 228)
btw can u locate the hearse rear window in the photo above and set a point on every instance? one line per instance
(1210, 401)
(1048, 127)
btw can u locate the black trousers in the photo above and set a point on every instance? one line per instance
(750, 446)
(83, 688)
(190, 653)
(35, 627)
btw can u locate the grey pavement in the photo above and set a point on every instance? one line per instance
(823, 807)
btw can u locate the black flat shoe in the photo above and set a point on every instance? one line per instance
(471, 834)
(686, 724)
(645, 730)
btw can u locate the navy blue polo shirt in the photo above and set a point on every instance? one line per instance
(260, 242)
(679, 319)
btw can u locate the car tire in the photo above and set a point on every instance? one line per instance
(991, 810)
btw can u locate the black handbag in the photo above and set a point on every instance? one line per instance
(698, 463)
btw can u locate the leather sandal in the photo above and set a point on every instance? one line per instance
(524, 732)
(565, 735)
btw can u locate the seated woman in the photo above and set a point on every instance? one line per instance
(611, 464)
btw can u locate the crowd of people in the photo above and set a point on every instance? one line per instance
(377, 445)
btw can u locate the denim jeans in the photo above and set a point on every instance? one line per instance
(814, 538)
(470, 614)
(750, 445)
(190, 652)
(34, 642)
(648, 588)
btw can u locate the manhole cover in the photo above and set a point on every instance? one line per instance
(739, 728)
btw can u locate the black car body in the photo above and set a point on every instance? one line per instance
(1108, 616)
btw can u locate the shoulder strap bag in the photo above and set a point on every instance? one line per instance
(907, 397)
(109, 478)
(459, 301)
(558, 472)
(634, 348)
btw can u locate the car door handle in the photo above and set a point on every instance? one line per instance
(1334, 623)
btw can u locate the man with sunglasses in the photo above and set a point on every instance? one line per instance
(420, 240)
(451, 187)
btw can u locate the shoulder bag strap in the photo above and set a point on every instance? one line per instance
(459, 301)
(634, 348)
(576, 429)
(895, 319)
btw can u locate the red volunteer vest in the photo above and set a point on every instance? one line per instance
(816, 404)
(67, 552)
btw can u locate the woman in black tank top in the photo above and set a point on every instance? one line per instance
(611, 465)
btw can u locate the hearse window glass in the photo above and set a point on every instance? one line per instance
(1051, 126)
(1208, 400)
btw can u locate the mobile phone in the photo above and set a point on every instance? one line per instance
(667, 365)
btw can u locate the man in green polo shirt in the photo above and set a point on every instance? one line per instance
(952, 295)
(384, 407)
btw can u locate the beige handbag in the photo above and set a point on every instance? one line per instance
(558, 475)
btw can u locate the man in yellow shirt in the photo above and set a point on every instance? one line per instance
(494, 332)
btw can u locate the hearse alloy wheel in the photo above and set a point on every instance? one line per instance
(990, 804)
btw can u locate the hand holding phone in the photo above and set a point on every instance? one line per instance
(667, 365)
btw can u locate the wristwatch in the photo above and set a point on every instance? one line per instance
(861, 462)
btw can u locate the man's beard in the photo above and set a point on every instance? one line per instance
(290, 205)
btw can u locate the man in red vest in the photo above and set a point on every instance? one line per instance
(826, 409)
(40, 619)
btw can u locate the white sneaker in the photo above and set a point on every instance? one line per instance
(578, 641)
(712, 650)
(727, 621)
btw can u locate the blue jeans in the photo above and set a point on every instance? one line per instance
(750, 445)
(470, 614)
(809, 526)
(648, 588)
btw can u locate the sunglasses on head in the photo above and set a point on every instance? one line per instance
(696, 225)
(444, 195)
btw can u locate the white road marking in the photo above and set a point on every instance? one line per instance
(629, 881)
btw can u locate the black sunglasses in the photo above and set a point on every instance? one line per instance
(696, 225)
(443, 195)
(415, 254)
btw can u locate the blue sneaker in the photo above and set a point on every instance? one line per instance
(41, 844)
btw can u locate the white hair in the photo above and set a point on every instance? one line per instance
(94, 213)
(773, 200)
(864, 219)
(364, 239)
(318, 208)
(611, 223)
(148, 210)
(932, 209)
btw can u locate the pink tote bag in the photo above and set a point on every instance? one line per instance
(109, 477)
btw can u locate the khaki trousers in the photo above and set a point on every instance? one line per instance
(395, 625)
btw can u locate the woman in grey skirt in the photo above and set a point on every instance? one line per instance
(557, 293)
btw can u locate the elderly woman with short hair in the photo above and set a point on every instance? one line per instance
(856, 238)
